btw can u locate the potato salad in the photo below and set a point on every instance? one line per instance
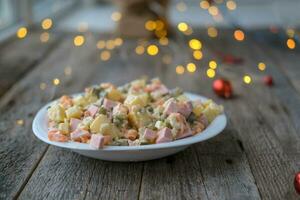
(138, 113)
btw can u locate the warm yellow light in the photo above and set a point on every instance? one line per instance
(68, 71)
(212, 32)
(195, 44)
(213, 64)
(56, 81)
(43, 86)
(44, 37)
(179, 69)
(118, 41)
(100, 44)
(78, 40)
(290, 32)
(116, 16)
(110, 44)
(231, 5)
(150, 25)
(105, 55)
(161, 33)
(213, 10)
(239, 35)
(181, 7)
(152, 50)
(261, 66)
(197, 55)
(204, 4)
(20, 122)
(164, 41)
(291, 44)
(182, 26)
(47, 23)
(139, 50)
(159, 25)
(191, 67)
(210, 73)
(247, 79)
(22, 32)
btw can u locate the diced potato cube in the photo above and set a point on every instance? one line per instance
(56, 113)
(74, 112)
(197, 110)
(139, 119)
(110, 129)
(64, 127)
(212, 110)
(80, 101)
(86, 122)
(114, 94)
(98, 121)
(133, 100)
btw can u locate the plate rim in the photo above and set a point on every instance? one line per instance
(214, 129)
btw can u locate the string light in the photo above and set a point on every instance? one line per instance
(139, 50)
(239, 35)
(44, 37)
(291, 44)
(110, 44)
(179, 69)
(118, 41)
(213, 10)
(210, 73)
(20, 122)
(197, 55)
(191, 67)
(247, 79)
(100, 44)
(47, 23)
(182, 26)
(56, 81)
(105, 55)
(150, 25)
(159, 25)
(22, 32)
(231, 5)
(43, 86)
(212, 32)
(213, 64)
(204, 4)
(164, 41)
(181, 7)
(195, 44)
(78, 40)
(152, 50)
(261, 66)
(116, 16)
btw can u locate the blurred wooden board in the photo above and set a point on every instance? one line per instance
(260, 143)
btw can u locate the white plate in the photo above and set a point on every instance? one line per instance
(130, 153)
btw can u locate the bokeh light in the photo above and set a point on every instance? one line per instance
(213, 10)
(43, 86)
(110, 44)
(78, 40)
(212, 32)
(22, 32)
(116, 16)
(105, 55)
(291, 44)
(180, 69)
(195, 44)
(197, 55)
(204, 4)
(247, 79)
(212, 64)
(231, 5)
(56, 81)
(47, 23)
(44, 37)
(100, 44)
(152, 50)
(139, 50)
(261, 66)
(150, 25)
(210, 73)
(182, 26)
(239, 35)
(164, 41)
(191, 67)
(181, 7)
(118, 41)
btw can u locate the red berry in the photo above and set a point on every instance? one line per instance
(268, 80)
(222, 88)
(297, 182)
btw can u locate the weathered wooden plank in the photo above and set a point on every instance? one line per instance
(20, 56)
(259, 128)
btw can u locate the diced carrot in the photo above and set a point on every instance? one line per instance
(56, 136)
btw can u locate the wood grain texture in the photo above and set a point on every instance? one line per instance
(20, 56)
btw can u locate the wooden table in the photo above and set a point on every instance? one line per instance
(256, 157)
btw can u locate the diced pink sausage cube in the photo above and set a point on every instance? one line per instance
(171, 107)
(186, 133)
(74, 123)
(93, 110)
(149, 134)
(161, 90)
(78, 135)
(97, 141)
(109, 104)
(164, 135)
(185, 108)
